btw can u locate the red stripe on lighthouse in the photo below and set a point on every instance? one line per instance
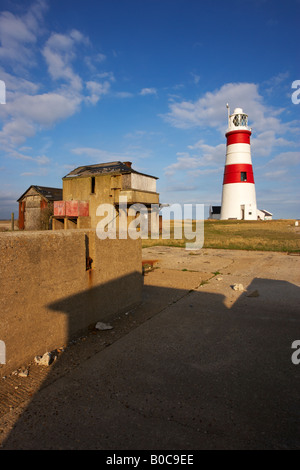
(238, 173)
(238, 137)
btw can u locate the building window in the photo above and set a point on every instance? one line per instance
(93, 185)
(243, 176)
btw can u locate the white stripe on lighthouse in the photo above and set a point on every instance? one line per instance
(238, 153)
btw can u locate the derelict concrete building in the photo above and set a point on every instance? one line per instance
(86, 187)
(36, 207)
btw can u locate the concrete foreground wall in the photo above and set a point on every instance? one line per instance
(48, 296)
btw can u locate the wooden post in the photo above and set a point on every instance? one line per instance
(12, 221)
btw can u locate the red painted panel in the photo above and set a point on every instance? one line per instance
(72, 208)
(83, 209)
(77, 208)
(59, 208)
(238, 137)
(21, 215)
(232, 173)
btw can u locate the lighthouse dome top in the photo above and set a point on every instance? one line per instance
(237, 120)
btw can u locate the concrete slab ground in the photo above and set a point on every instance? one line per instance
(198, 365)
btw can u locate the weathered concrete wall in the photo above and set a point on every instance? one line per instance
(33, 212)
(47, 295)
(80, 189)
(108, 189)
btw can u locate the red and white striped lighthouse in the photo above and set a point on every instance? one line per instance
(238, 196)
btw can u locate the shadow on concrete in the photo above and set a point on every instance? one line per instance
(99, 302)
(189, 373)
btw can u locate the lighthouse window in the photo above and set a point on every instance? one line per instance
(244, 120)
(240, 120)
(236, 120)
(243, 176)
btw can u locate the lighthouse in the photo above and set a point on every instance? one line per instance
(238, 195)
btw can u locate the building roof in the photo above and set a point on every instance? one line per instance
(110, 168)
(51, 194)
(266, 212)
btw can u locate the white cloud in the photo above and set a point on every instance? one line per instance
(210, 154)
(274, 82)
(184, 162)
(196, 78)
(148, 91)
(45, 109)
(276, 174)
(26, 110)
(17, 85)
(59, 52)
(209, 111)
(107, 75)
(40, 160)
(263, 143)
(203, 156)
(97, 90)
(18, 34)
(15, 132)
(286, 159)
(93, 61)
(40, 172)
(27, 114)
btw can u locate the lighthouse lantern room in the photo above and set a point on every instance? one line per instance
(238, 195)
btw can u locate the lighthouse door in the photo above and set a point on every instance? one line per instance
(243, 212)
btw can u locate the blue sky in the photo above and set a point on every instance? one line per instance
(148, 81)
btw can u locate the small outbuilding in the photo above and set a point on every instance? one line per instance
(215, 212)
(264, 215)
(36, 207)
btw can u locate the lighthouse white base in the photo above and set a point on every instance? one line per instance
(239, 202)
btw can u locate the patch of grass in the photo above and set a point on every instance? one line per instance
(272, 235)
